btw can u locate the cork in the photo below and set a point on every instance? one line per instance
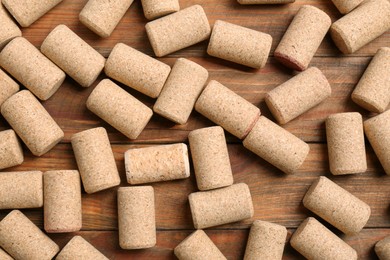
(72, 54)
(265, 2)
(26, 12)
(337, 206)
(198, 246)
(346, 6)
(137, 70)
(181, 90)
(277, 146)
(298, 95)
(239, 44)
(136, 217)
(266, 241)
(21, 190)
(157, 163)
(31, 122)
(382, 248)
(178, 30)
(373, 90)
(31, 68)
(102, 16)
(227, 109)
(95, 160)
(221, 206)
(9, 30)
(8, 87)
(303, 37)
(4, 255)
(346, 149)
(11, 152)
(79, 248)
(314, 241)
(118, 108)
(62, 201)
(156, 8)
(364, 24)
(210, 158)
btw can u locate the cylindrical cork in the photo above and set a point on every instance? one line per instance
(382, 248)
(181, 90)
(31, 122)
(156, 8)
(337, 206)
(239, 44)
(265, 2)
(277, 146)
(120, 109)
(4, 255)
(24, 240)
(137, 70)
(210, 158)
(303, 37)
(346, 6)
(9, 29)
(298, 95)
(11, 152)
(266, 241)
(178, 30)
(157, 163)
(373, 90)
(8, 87)
(72, 54)
(221, 206)
(227, 109)
(198, 246)
(95, 160)
(345, 138)
(136, 217)
(62, 201)
(31, 68)
(361, 26)
(79, 248)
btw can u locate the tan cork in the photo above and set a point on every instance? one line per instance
(11, 152)
(95, 160)
(345, 138)
(8, 87)
(265, 2)
(346, 6)
(157, 163)
(303, 37)
(9, 30)
(156, 8)
(118, 108)
(239, 44)
(137, 70)
(4, 255)
(79, 248)
(382, 248)
(181, 90)
(178, 30)
(227, 109)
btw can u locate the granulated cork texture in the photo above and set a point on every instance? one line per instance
(156, 8)
(11, 152)
(8, 87)
(79, 248)
(4, 255)
(346, 6)
(9, 29)
(382, 248)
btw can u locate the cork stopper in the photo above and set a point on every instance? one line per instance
(346, 6)
(156, 8)
(9, 30)
(8, 87)
(79, 248)
(4, 255)
(382, 248)
(265, 2)
(11, 152)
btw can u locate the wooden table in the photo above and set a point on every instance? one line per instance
(276, 196)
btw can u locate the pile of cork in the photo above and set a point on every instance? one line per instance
(178, 91)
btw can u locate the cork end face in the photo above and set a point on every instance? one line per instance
(47, 148)
(382, 248)
(289, 61)
(340, 40)
(62, 230)
(91, 25)
(153, 41)
(367, 104)
(193, 211)
(275, 111)
(294, 241)
(313, 187)
(105, 186)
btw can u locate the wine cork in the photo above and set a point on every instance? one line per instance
(266, 241)
(31, 122)
(346, 6)
(265, 2)
(303, 37)
(221, 206)
(157, 163)
(62, 200)
(337, 206)
(102, 16)
(9, 29)
(72, 54)
(210, 158)
(361, 26)
(156, 8)
(198, 246)
(136, 217)
(95, 160)
(137, 70)
(346, 149)
(314, 241)
(21, 190)
(31, 68)
(239, 44)
(26, 12)
(181, 90)
(227, 109)
(120, 109)
(79, 248)
(8, 87)
(373, 90)
(382, 248)
(277, 146)
(178, 30)
(4, 255)
(11, 152)
(298, 95)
